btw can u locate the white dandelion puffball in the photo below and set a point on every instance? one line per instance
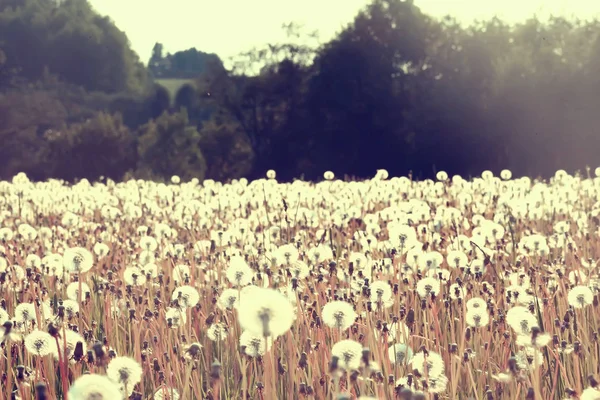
(94, 387)
(124, 371)
(267, 312)
(73, 291)
(477, 317)
(381, 294)
(254, 345)
(348, 353)
(217, 331)
(238, 272)
(521, 320)
(433, 362)
(400, 354)
(166, 393)
(77, 260)
(134, 276)
(40, 343)
(186, 296)
(338, 314)
(328, 175)
(505, 174)
(580, 296)
(428, 287)
(25, 312)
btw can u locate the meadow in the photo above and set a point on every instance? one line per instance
(385, 288)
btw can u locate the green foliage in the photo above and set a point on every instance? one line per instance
(159, 101)
(394, 89)
(227, 151)
(187, 97)
(73, 42)
(168, 146)
(100, 146)
(186, 64)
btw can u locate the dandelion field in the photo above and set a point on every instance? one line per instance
(377, 289)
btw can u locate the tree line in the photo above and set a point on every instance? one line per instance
(395, 89)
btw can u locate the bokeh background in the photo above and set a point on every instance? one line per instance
(228, 89)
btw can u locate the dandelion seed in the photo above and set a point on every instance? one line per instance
(147, 258)
(186, 296)
(71, 308)
(254, 345)
(52, 265)
(381, 293)
(229, 299)
(3, 316)
(94, 387)
(580, 296)
(590, 393)
(25, 312)
(348, 353)
(134, 276)
(400, 354)
(124, 371)
(538, 341)
(269, 313)
(77, 260)
(502, 377)
(239, 273)
(166, 393)
(181, 272)
(521, 320)
(477, 318)
(428, 287)
(529, 358)
(431, 364)
(457, 259)
(299, 270)
(175, 317)
(33, 261)
(40, 343)
(437, 383)
(73, 291)
(72, 338)
(338, 314)
(287, 254)
(455, 291)
(101, 250)
(6, 234)
(217, 332)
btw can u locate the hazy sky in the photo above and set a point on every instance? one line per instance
(227, 27)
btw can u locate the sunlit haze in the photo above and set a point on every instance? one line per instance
(227, 27)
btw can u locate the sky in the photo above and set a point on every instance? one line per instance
(228, 27)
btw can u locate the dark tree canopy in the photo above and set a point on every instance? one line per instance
(395, 89)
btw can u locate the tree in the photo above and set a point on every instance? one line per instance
(268, 107)
(359, 93)
(168, 146)
(226, 148)
(187, 98)
(100, 146)
(158, 101)
(73, 42)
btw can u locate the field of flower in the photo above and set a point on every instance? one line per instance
(378, 289)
